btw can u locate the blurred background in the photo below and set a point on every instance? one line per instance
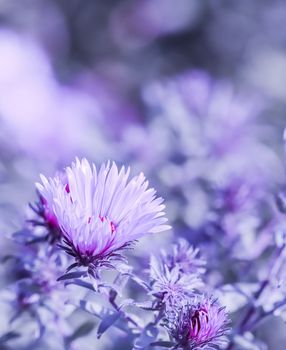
(191, 92)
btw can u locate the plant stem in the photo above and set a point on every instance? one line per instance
(242, 327)
(112, 301)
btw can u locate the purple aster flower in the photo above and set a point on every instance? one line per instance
(186, 257)
(57, 107)
(47, 213)
(201, 324)
(176, 275)
(101, 212)
(36, 299)
(43, 217)
(169, 285)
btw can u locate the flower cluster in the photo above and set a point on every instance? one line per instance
(193, 320)
(35, 297)
(211, 157)
(96, 213)
(156, 87)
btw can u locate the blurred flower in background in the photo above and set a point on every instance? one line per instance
(44, 107)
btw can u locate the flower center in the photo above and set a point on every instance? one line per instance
(200, 316)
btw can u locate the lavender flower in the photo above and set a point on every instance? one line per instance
(176, 275)
(57, 107)
(186, 257)
(44, 224)
(36, 292)
(200, 324)
(101, 212)
(169, 285)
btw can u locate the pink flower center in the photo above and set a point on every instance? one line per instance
(200, 316)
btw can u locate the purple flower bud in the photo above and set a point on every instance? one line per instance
(201, 323)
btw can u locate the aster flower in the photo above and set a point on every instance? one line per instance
(36, 300)
(58, 107)
(44, 267)
(101, 212)
(186, 257)
(36, 272)
(169, 285)
(198, 324)
(176, 275)
(43, 217)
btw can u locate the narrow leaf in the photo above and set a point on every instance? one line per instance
(81, 331)
(163, 344)
(82, 284)
(147, 337)
(7, 336)
(72, 275)
(107, 322)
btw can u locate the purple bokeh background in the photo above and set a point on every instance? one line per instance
(191, 92)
